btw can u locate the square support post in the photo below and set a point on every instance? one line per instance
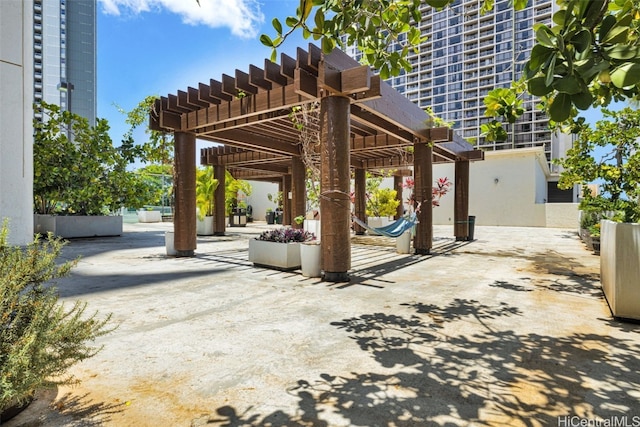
(335, 203)
(184, 218)
(397, 185)
(287, 217)
(461, 200)
(423, 171)
(220, 208)
(360, 183)
(298, 189)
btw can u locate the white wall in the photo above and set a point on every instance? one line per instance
(562, 215)
(16, 113)
(258, 198)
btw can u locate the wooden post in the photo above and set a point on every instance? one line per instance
(287, 217)
(397, 185)
(184, 218)
(423, 171)
(220, 209)
(298, 189)
(461, 200)
(335, 203)
(360, 183)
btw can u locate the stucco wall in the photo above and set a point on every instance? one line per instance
(562, 215)
(16, 113)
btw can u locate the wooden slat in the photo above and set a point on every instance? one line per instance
(303, 61)
(242, 83)
(216, 91)
(173, 106)
(272, 73)
(229, 85)
(356, 80)
(193, 97)
(204, 94)
(256, 78)
(305, 83)
(287, 65)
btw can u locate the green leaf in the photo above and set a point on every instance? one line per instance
(626, 75)
(266, 40)
(539, 55)
(536, 86)
(582, 40)
(623, 52)
(559, 17)
(616, 35)
(319, 19)
(291, 21)
(567, 84)
(560, 108)
(545, 37)
(582, 100)
(550, 71)
(607, 24)
(277, 25)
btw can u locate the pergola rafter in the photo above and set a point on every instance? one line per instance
(250, 114)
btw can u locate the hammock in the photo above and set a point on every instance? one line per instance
(395, 229)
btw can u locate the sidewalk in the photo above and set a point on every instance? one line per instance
(510, 329)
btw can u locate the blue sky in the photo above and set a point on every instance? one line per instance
(155, 47)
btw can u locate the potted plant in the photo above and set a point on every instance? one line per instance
(615, 141)
(277, 199)
(81, 179)
(278, 248)
(270, 216)
(235, 192)
(206, 186)
(381, 205)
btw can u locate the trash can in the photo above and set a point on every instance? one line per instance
(472, 225)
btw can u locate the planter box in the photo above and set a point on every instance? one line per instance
(149, 216)
(311, 259)
(620, 267)
(312, 226)
(72, 226)
(204, 227)
(279, 256)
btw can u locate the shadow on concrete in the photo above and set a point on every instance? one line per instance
(431, 375)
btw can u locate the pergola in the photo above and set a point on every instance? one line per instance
(364, 124)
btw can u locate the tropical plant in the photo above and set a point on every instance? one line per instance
(616, 169)
(78, 170)
(590, 56)
(382, 202)
(233, 189)
(39, 338)
(206, 186)
(286, 235)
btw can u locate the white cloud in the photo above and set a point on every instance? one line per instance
(241, 16)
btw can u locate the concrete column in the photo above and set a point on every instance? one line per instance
(298, 189)
(286, 201)
(461, 200)
(397, 185)
(360, 184)
(184, 217)
(219, 215)
(423, 171)
(335, 203)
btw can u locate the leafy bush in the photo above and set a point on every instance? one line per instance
(39, 339)
(382, 202)
(287, 235)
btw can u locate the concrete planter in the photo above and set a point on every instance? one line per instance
(403, 243)
(312, 226)
(620, 267)
(169, 243)
(279, 256)
(149, 216)
(311, 259)
(204, 227)
(73, 226)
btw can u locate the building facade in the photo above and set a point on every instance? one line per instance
(64, 44)
(466, 55)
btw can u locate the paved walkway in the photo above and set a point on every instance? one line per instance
(510, 329)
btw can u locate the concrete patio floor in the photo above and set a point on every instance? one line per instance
(511, 329)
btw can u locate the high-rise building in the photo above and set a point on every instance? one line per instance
(64, 48)
(466, 55)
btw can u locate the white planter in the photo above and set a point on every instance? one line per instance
(403, 243)
(204, 227)
(72, 226)
(149, 216)
(620, 267)
(280, 256)
(312, 226)
(377, 222)
(311, 259)
(169, 243)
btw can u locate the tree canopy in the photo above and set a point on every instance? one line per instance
(589, 57)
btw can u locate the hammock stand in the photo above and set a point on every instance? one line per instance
(395, 229)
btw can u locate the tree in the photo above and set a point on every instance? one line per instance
(78, 170)
(590, 56)
(617, 169)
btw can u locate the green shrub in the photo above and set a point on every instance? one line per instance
(39, 339)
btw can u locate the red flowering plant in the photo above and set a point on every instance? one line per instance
(442, 187)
